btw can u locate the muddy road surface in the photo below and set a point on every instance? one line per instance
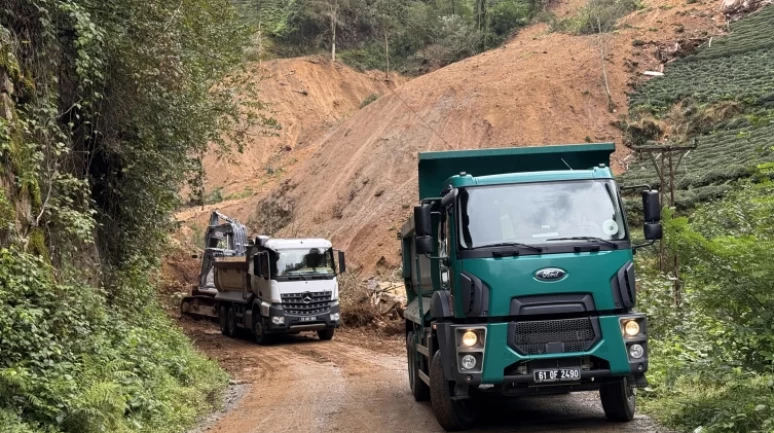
(353, 384)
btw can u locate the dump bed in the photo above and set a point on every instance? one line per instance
(436, 167)
(231, 274)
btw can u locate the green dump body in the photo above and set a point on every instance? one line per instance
(552, 304)
(435, 168)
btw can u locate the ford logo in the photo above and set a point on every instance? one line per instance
(550, 274)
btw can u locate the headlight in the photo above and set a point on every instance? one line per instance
(468, 362)
(278, 320)
(469, 338)
(335, 316)
(632, 328)
(636, 351)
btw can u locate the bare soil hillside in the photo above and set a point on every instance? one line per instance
(540, 88)
(306, 97)
(356, 183)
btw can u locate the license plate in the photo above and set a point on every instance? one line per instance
(308, 319)
(557, 375)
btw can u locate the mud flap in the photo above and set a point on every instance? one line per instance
(447, 348)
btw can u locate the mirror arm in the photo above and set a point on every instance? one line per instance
(624, 188)
(647, 244)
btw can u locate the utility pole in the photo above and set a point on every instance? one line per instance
(666, 160)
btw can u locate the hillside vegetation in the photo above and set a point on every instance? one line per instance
(409, 36)
(101, 104)
(713, 355)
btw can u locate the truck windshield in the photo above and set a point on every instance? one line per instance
(301, 262)
(540, 213)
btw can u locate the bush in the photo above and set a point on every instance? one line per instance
(597, 16)
(712, 360)
(370, 99)
(73, 363)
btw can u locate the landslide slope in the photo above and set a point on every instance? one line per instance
(540, 88)
(306, 98)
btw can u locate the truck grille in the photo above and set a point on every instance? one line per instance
(554, 336)
(306, 304)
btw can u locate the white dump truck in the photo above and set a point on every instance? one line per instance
(280, 286)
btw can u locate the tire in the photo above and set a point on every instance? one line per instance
(452, 415)
(231, 323)
(222, 320)
(260, 337)
(618, 400)
(326, 334)
(419, 389)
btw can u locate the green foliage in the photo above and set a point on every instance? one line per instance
(416, 35)
(713, 359)
(104, 106)
(597, 16)
(72, 364)
(369, 99)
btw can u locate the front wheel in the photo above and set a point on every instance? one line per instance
(419, 389)
(618, 400)
(452, 415)
(261, 337)
(326, 334)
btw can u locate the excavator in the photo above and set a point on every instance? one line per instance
(225, 237)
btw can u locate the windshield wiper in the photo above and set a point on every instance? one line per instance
(513, 244)
(585, 238)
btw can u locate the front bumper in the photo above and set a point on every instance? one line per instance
(293, 323)
(504, 367)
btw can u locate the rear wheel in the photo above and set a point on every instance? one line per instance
(223, 320)
(452, 415)
(231, 323)
(618, 400)
(326, 334)
(419, 389)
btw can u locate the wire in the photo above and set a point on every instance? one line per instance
(448, 146)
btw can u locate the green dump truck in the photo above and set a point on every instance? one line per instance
(519, 276)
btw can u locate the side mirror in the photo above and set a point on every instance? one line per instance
(342, 263)
(653, 231)
(424, 244)
(651, 206)
(423, 220)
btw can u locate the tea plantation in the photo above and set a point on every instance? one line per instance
(735, 71)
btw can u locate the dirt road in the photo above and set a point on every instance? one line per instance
(304, 385)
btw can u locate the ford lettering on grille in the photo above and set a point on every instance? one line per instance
(550, 274)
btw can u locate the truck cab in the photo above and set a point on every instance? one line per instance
(519, 272)
(282, 286)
